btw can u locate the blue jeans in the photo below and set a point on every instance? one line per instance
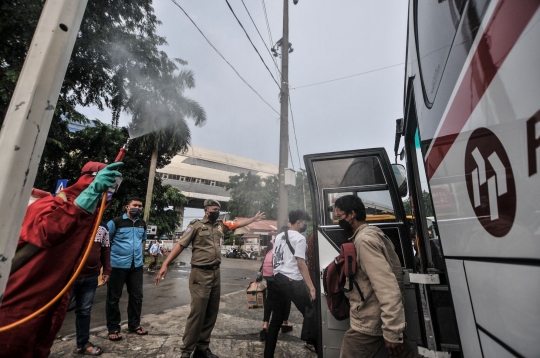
(84, 290)
(133, 279)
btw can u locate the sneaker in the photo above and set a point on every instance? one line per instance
(204, 354)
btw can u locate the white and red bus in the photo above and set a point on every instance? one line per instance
(471, 148)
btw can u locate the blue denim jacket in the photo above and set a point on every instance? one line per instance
(126, 237)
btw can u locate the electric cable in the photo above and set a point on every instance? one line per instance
(252, 44)
(265, 46)
(342, 78)
(298, 152)
(224, 59)
(269, 30)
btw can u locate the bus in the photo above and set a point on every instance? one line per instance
(469, 147)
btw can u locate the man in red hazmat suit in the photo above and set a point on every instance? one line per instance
(60, 227)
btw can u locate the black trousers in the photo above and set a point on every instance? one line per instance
(284, 289)
(133, 279)
(269, 303)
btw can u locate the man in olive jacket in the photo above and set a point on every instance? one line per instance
(379, 319)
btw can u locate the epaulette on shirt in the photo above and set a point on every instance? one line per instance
(191, 226)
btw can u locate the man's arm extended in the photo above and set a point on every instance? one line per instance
(177, 250)
(258, 217)
(302, 266)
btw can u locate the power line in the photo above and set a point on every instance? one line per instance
(298, 152)
(294, 131)
(268, 27)
(224, 59)
(252, 44)
(265, 46)
(342, 78)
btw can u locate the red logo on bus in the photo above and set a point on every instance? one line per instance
(490, 182)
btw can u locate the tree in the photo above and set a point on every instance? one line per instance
(117, 45)
(428, 207)
(160, 109)
(101, 142)
(251, 193)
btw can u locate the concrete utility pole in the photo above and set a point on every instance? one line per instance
(29, 116)
(284, 122)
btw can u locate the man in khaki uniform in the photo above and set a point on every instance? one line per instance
(379, 319)
(204, 280)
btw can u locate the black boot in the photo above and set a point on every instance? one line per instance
(204, 354)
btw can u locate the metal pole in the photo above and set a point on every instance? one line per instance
(29, 116)
(284, 123)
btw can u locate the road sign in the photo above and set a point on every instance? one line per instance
(60, 185)
(151, 229)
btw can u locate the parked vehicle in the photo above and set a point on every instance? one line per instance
(233, 253)
(249, 255)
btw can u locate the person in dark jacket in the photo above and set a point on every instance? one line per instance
(85, 287)
(128, 234)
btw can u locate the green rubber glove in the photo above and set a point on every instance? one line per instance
(105, 178)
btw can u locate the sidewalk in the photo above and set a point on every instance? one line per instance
(236, 335)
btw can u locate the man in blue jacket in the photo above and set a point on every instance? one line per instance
(127, 233)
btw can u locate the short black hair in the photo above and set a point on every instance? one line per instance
(134, 198)
(295, 215)
(349, 203)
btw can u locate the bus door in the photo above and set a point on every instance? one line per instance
(441, 328)
(368, 174)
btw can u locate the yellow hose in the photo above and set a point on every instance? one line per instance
(73, 278)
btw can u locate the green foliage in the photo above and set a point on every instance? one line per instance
(101, 143)
(117, 50)
(232, 239)
(251, 193)
(428, 206)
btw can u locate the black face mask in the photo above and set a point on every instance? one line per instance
(213, 216)
(344, 224)
(135, 212)
(303, 229)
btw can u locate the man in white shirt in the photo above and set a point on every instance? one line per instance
(291, 276)
(155, 251)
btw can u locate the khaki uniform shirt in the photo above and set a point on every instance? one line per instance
(380, 277)
(205, 237)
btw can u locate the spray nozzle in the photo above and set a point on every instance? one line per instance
(126, 146)
(123, 151)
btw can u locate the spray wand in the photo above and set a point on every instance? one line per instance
(123, 151)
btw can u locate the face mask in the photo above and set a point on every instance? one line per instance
(135, 212)
(303, 229)
(213, 216)
(344, 224)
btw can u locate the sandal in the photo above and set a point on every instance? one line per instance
(139, 330)
(311, 347)
(115, 336)
(96, 351)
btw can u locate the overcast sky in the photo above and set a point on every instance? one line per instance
(331, 39)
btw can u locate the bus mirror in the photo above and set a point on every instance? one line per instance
(401, 178)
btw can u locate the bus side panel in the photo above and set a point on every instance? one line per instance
(492, 348)
(463, 308)
(506, 303)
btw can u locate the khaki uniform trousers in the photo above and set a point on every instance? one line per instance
(205, 289)
(360, 345)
